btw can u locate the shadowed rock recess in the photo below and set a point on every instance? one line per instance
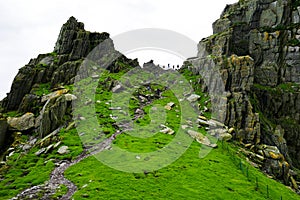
(256, 50)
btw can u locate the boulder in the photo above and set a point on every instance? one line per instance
(23, 123)
(52, 115)
(220, 133)
(201, 138)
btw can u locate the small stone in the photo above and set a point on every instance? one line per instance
(70, 97)
(95, 76)
(167, 130)
(39, 152)
(115, 108)
(82, 134)
(193, 98)
(57, 144)
(82, 118)
(11, 153)
(26, 147)
(33, 141)
(184, 127)
(88, 102)
(117, 88)
(171, 104)
(168, 107)
(202, 117)
(94, 67)
(49, 148)
(63, 150)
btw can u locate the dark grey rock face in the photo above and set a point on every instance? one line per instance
(256, 47)
(39, 87)
(59, 68)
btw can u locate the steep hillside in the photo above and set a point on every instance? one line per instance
(256, 49)
(60, 129)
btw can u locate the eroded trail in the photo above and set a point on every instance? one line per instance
(57, 178)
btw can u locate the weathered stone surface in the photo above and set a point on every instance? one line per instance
(70, 97)
(220, 133)
(63, 150)
(59, 67)
(22, 123)
(201, 138)
(52, 115)
(75, 41)
(255, 50)
(193, 98)
(167, 130)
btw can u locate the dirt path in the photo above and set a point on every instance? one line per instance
(45, 191)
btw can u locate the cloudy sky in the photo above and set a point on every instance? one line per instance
(31, 27)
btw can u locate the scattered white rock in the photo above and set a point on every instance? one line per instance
(115, 108)
(26, 147)
(33, 141)
(11, 153)
(168, 107)
(201, 138)
(171, 104)
(39, 152)
(82, 118)
(193, 98)
(57, 144)
(88, 102)
(202, 117)
(70, 97)
(95, 76)
(63, 150)
(117, 88)
(184, 127)
(49, 148)
(167, 130)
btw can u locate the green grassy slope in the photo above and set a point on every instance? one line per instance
(219, 175)
(214, 177)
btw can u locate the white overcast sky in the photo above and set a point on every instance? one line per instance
(31, 27)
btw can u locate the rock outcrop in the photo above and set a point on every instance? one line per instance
(56, 68)
(41, 89)
(255, 47)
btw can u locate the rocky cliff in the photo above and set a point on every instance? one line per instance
(40, 99)
(256, 47)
